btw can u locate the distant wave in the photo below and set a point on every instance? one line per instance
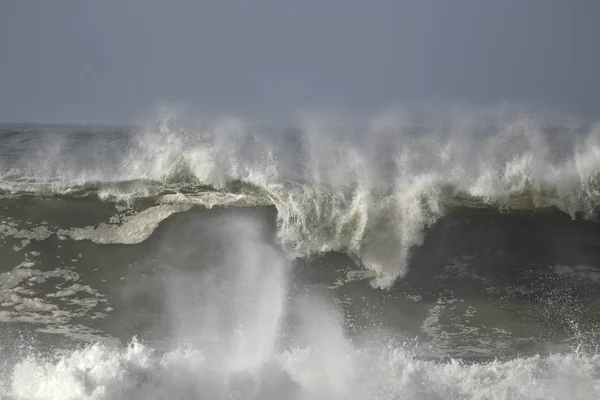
(369, 189)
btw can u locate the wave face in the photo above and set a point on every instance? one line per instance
(368, 187)
(241, 326)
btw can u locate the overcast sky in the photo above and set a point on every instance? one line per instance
(113, 60)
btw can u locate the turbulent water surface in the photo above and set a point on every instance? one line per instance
(373, 259)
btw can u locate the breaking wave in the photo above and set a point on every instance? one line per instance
(370, 188)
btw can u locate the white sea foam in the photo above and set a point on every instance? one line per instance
(311, 372)
(126, 227)
(130, 229)
(212, 199)
(21, 299)
(10, 229)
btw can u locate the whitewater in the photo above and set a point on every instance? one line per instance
(400, 256)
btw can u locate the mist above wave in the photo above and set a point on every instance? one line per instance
(369, 187)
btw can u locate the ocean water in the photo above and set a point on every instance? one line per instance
(374, 258)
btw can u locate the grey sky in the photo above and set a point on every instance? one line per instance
(114, 60)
